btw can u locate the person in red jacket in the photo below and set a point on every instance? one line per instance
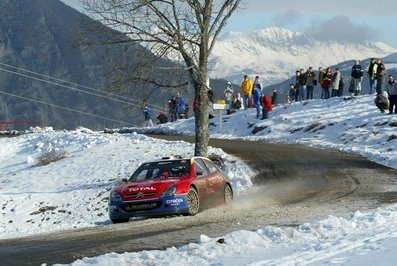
(266, 105)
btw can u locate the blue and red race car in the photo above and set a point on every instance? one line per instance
(171, 186)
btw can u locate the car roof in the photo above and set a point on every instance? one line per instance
(177, 159)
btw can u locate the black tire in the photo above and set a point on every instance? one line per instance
(118, 221)
(228, 194)
(193, 202)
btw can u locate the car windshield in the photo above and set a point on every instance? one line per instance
(162, 169)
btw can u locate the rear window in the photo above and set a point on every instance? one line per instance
(162, 169)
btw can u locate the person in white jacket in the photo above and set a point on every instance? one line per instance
(228, 95)
(335, 83)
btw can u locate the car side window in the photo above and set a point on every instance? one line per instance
(200, 168)
(156, 172)
(211, 166)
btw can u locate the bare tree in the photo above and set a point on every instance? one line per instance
(185, 30)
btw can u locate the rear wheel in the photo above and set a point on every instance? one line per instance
(228, 194)
(118, 221)
(193, 202)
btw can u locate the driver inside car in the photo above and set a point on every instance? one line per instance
(165, 174)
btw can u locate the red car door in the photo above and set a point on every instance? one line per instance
(206, 192)
(214, 183)
(215, 180)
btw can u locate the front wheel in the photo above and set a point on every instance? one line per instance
(228, 195)
(193, 202)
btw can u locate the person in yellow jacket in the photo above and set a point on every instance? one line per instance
(372, 70)
(246, 90)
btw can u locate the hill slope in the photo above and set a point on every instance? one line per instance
(51, 38)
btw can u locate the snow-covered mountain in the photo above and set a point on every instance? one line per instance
(275, 54)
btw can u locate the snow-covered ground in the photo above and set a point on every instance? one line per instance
(39, 198)
(73, 192)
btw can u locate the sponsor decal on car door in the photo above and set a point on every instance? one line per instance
(216, 180)
(202, 180)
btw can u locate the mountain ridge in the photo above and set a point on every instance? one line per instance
(274, 53)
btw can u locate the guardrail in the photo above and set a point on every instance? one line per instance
(13, 128)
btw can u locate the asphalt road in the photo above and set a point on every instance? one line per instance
(294, 184)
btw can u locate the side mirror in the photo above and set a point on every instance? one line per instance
(199, 173)
(125, 180)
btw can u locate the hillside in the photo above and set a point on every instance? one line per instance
(51, 39)
(44, 38)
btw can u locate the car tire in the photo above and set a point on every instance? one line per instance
(118, 221)
(193, 201)
(228, 195)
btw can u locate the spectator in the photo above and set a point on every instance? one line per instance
(186, 114)
(351, 86)
(246, 90)
(236, 102)
(180, 105)
(371, 71)
(210, 93)
(147, 112)
(228, 95)
(291, 93)
(275, 97)
(302, 81)
(241, 99)
(380, 76)
(257, 99)
(172, 109)
(211, 98)
(326, 84)
(321, 75)
(266, 106)
(162, 118)
(296, 86)
(335, 82)
(381, 101)
(357, 76)
(391, 88)
(341, 87)
(310, 83)
(257, 84)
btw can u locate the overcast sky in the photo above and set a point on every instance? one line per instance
(343, 20)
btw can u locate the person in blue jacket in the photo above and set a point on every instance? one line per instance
(257, 99)
(147, 112)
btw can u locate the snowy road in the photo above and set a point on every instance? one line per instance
(294, 185)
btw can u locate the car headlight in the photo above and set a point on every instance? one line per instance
(170, 191)
(115, 196)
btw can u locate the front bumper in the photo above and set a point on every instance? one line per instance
(155, 207)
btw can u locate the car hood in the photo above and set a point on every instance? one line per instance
(142, 190)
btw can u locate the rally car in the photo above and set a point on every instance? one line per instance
(170, 186)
